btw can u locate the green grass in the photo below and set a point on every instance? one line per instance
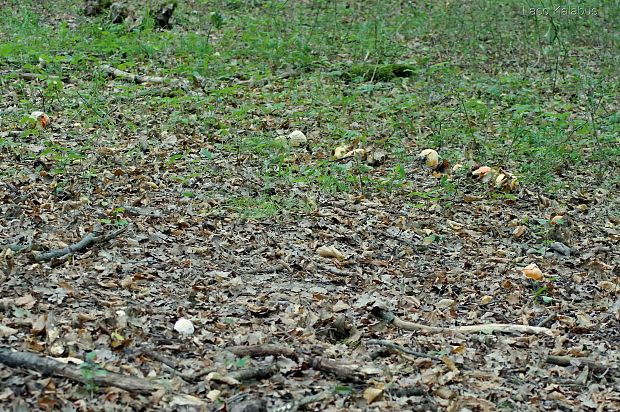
(536, 95)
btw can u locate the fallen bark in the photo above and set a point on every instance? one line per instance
(389, 317)
(48, 366)
(87, 241)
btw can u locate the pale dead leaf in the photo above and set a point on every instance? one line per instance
(26, 301)
(340, 306)
(217, 377)
(607, 286)
(6, 331)
(445, 303)
(187, 400)
(519, 231)
(371, 394)
(330, 252)
(486, 300)
(340, 152)
(214, 395)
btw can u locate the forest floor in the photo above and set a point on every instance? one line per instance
(167, 243)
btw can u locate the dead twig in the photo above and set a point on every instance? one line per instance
(262, 350)
(49, 366)
(580, 362)
(548, 320)
(140, 79)
(87, 241)
(344, 371)
(389, 317)
(140, 211)
(257, 373)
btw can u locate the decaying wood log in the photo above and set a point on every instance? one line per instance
(49, 366)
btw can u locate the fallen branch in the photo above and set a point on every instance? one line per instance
(548, 320)
(389, 317)
(87, 241)
(580, 362)
(140, 79)
(48, 366)
(344, 371)
(248, 374)
(262, 350)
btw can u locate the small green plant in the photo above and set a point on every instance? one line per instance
(90, 369)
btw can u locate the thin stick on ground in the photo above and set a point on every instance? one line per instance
(262, 350)
(87, 241)
(140, 79)
(568, 361)
(48, 366)
(389, 317)
(344, 371)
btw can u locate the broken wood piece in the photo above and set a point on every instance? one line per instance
(87, 241)
(580, 362)
(49, 366)
(140, 79)
(389, 317)
(262, 350)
